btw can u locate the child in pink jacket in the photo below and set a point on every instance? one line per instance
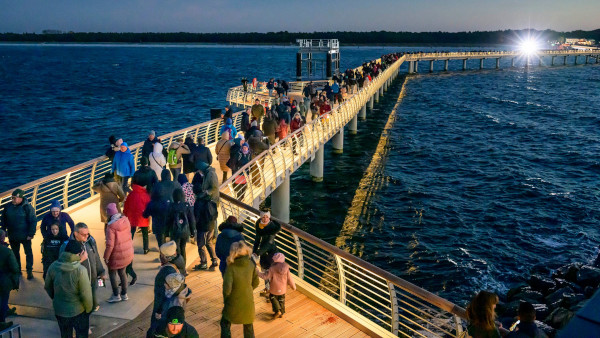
(280, 277)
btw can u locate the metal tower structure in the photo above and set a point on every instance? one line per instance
(317, 59)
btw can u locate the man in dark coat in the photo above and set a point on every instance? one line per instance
(257, 145)
(19, 222)
(175, 325)
(187, 160)
(201, 153)
(165, 188)
(90, 259)
(56, 216)
(205, 221)
(9, 278)
(158, 209)
(264, 245)
(269, 127)
(145, 176)
(149, 144)
(231, 232)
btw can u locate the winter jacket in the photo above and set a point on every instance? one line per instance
(51, 248)
(63, 220)
(135, 204)
(239, 281)
(230, 233)
(68, 285)
(280, 277)
(231, 127)
(180, 298)
(176, 265)
(165, 188)
(123, 164)
(210, 186)
(245, 123)
(158, 210)
(257, 145)
(187, 159)
(222, 149)
(19, 221)
(264, 244)
(296, 124)
(201, 153)
(254, 130)
(145, 177)
(149, 146)
(180, 208)
(93, 264)
(282, 130)
(156, 159)
(269, 126)
(181, 149)
(119, 245)
(110, 192)
(188, 331)
(9, 269)
(188, 192)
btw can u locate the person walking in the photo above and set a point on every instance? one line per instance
(123, 167)
(264, 244)
(156, 159)
(206, 212)
(68, 286)
(158, 209)
(222, 150)
(51, 247)
(110, 192)
(230, 232)
(9, 279)
(238, 160)
(56, 216)
(19, 222)
(134, 207)
(166, 186)
(279, 277)
(239, 281)
(269, 127)
(119, 251)
(181, 223)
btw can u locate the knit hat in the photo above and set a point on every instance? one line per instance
(268, 213)
(175, 315)
(152, 132)
(144, 161)
(55, 204)
(201, 165)
(182, 179)
(231, 219)
(246, 145)
(278, 258)
(73, 247)
(169, 250)
(19, 193)
(111, 209)
(240, 136)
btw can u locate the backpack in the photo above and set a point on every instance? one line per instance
(172, 157)
(180, 225)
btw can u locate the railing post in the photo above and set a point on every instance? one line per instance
(34, 197)
(300, 257)
(394, 308)
(459, 327)
(342, 278)
(93, 175)
(66, 191)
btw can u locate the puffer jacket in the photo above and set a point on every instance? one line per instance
(119, 245)
(123, 164)
(19, 221)
(68, 285)
(135, 204)
(110, 192)
(164, 189)
(222, 149)
(280, 277)
(157, 160)
(230, 233)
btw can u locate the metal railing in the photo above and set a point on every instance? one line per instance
(495, 54)
(12, 332)
(268, 170)
(393, 304)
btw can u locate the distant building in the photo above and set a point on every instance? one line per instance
(52, 31)
(581, 42)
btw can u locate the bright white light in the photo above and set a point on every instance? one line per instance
(529, 46)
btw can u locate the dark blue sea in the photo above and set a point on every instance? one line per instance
(485, 175)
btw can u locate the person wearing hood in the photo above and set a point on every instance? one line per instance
(145, 176)
(56, 216)
(175, 156)
(149, 144)
(157, 159)
(134, 207)
(171, 262)
(206, 212)
(222, 149)
(279, 277)
(158, 209)
(9, 279)
(110, 192)
(177, 293)
(90, 259)
(186, 157)
(230, 232)
(166, 186)
(253, 129)
(123, 166)
(20, 223)
(228, 114)
(119, 251)
(68, 286)
(51, 247)
(229, 127)
(181, 224)
(245, 123)
(175, 325)
(264, 245)
(237, 162)
(269, 127)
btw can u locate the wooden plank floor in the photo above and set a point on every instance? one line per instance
(303, 318)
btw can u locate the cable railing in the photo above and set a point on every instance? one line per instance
(268, 170)
(364, 291)
(493, 54)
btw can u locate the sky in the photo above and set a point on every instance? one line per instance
(201, 16)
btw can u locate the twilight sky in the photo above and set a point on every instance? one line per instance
(201, 16)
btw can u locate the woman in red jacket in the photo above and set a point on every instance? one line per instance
(119, 251)
(135, 204)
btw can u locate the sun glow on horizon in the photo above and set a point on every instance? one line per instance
(529, 46)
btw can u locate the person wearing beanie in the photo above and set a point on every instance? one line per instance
(145, 176)
(166, 186)
(68, 285)
(110, 192)
(9, 279)
(228, 127)
(181, 224)
(19, 221)
(177, 292)
(264, 244)
(230, 232)
(175, 325)
(171, 262)
(238, 160)
(56, 216)
(118, 255)
(123, 166)
(223, 149)
(134, 207)
(279, 277)
(149, 144)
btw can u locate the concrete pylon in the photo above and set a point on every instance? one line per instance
(431, 66)
(338, 142)
(363, 111)
(370, 104)
(316, 165)
(353, 125)
(512, 62)
(481, 64)
(280, 201)
(446, 65)
(464, 64)
(377, 96)
(497, 63)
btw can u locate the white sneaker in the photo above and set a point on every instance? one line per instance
(114, 299)
(124, 297)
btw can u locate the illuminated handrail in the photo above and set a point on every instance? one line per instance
(364, 290)
(494, 54)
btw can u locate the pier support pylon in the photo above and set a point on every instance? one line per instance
(376, 96)
(481, 63)
(497, 63)
(446, 65)
(512, 62)
(280, 200)
(338, 142)
(353, 125)
(316, 165)
(363, 111)
(464, 64)
(370, 105)
(431, 66)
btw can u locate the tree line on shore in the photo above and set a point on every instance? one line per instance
(284, 37)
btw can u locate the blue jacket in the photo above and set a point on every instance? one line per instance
(63, 220)
(335, 88)
(229, 126)
(230, 233)
(123, 164)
